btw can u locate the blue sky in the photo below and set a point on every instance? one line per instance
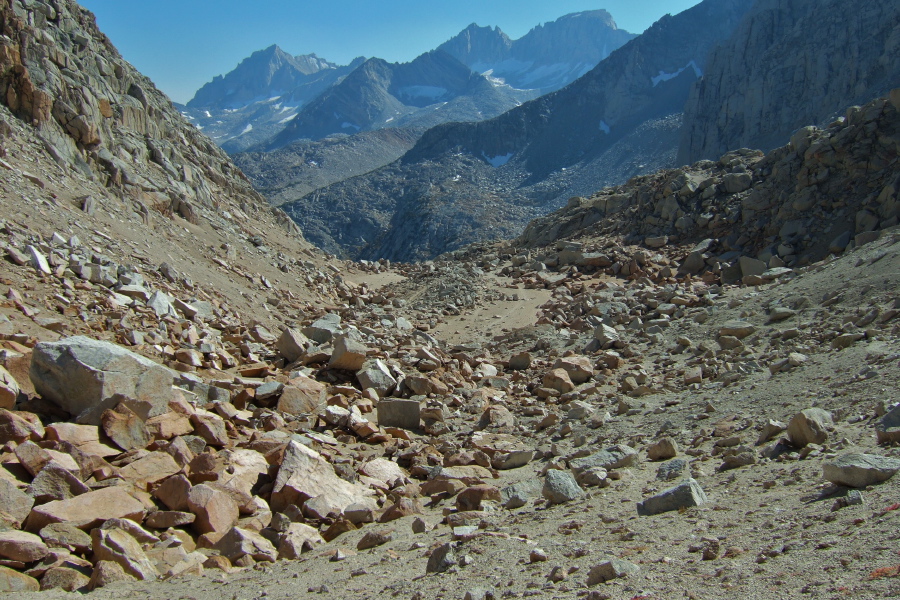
(182, 44)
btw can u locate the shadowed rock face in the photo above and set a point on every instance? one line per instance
(791, 63)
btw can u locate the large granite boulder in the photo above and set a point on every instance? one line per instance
(85, 377)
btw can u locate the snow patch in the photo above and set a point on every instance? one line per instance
(287, 119)
(348, 125)
(497, 161)
(247, 129)
(604, 127)
(663, 76)
(208, 115)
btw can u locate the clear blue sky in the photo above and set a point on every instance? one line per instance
(182, 44)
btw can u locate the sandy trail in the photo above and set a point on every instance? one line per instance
(493, 317)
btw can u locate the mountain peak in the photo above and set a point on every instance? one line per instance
(267, 72)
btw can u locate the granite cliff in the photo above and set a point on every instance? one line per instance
(790, 64)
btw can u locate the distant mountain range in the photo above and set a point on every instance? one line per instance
(273, 99)
(464, 182)
(547, 58)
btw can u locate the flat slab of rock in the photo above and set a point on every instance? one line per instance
(87, 510)
(85, 377)
(738, 329)
(12, 582)
(22, 546)
(860, 470)
(684, 495)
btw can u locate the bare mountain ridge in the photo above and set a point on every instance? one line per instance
(261, 95)
(546, 58)
(432, 89)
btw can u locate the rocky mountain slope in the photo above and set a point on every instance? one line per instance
(773, 76)
(434, 88)
(464, 182)
(547, 58)
(261, 95)
(301, 168)
(197, 405)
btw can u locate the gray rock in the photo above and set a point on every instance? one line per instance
(480, 594)
(238, 543)
(442, 558)
(324, 329)
(611, 569)
(663, 449)
(375, 375)
(520, 494)
(737, 182)
(809, 426)
(671, 470)
(888, 429)
(614, 457)
(84, 377)
(55, 483)
(348, 354)
(686, 494)
(560, 487)
(14, 503)
(737, 328)
(292, 344)
(520, 361)
(399, 413)
(751, 266)
(162, 305)
(770, 430)
(860, 470)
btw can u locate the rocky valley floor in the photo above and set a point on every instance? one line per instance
(548, 401)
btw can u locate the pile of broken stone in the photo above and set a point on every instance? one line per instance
(119, 467)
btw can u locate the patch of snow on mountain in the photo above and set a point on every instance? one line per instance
(247, 129)
(347, 125)
(604, 127)
(663, 76)
(287, 119)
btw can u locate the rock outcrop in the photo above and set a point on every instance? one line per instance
(95, 114)
(790, 64)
